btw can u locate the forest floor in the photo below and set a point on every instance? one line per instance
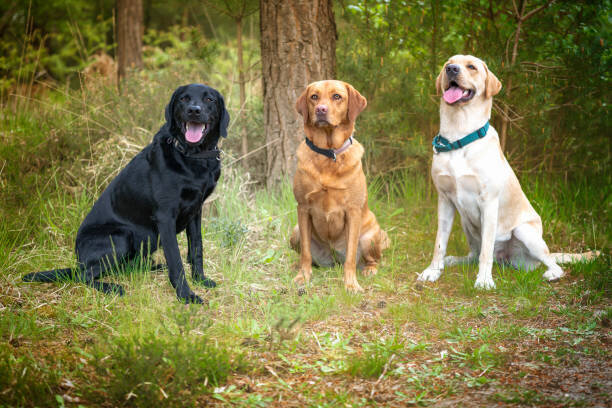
(259, 341)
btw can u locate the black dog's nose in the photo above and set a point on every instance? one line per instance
(452, 69)
(194, 110)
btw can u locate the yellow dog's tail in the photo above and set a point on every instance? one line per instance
(563, 258)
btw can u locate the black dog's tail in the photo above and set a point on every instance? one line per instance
(73, 274)
(53, 275)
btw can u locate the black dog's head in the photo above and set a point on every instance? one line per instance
(196, 113)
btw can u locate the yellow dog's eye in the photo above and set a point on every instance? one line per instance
(314, 97)
(337, 97)
(471, 67)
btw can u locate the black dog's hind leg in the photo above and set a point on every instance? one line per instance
(194, 254)
(166, 225)
(91, 277)
(99, 254)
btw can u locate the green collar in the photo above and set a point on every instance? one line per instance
(440, 144)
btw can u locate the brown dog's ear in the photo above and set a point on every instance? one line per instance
(492, 84)
(439, 82)
(356, 103)
(301, 105)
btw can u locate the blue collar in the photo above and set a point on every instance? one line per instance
(440, 144)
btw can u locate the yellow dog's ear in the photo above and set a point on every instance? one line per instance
(301, 105)
(492, 84)
(356, 103)
(439, 82)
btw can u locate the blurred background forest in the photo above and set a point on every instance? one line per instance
(63, 114)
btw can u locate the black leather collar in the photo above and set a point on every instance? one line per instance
(206, 154)
(331, 153)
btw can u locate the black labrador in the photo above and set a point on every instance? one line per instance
(156, 196)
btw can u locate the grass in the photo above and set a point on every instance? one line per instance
(258, 341)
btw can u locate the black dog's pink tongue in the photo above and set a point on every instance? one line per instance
(453, 94)
(193, 132)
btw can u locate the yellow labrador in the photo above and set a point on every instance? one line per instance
(473, 177)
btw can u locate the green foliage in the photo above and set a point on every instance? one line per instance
(26, 381)
(52, 38)
(151, 368)
(375, 359)
(559, 102)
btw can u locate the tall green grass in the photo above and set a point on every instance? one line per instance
(146, 348)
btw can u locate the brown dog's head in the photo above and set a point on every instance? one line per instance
(464, 78)
(330, 103)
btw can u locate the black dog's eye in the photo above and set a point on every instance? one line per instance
(210, 99)
(314, 97)
(471, 67)
(185, 98)
(337, 97)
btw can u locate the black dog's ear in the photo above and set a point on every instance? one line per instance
(170, 106)
(225, 117)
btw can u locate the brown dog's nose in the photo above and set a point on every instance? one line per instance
(321, 109)
(452, 69)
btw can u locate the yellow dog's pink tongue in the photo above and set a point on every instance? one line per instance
(193, 132)
(453, 94)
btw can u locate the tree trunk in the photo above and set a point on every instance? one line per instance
(298, 46)
(130, 30)
(242, 83)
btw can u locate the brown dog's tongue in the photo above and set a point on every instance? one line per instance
(453, 94)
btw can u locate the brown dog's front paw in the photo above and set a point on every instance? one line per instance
(353, 287)
(369, 271)
(302, 277)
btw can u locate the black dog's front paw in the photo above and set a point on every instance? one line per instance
(190, 298)
(206, 282)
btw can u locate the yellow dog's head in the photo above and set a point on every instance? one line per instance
(466, 79)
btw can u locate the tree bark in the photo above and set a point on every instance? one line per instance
(242, 86)
(130, 30)
(298, 46)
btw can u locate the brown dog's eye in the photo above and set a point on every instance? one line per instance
(337, 97)
(314, 97)
(471, 67)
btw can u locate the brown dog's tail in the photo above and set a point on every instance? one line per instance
(563, 258)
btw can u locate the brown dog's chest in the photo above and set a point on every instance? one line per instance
(327, 205)
(327, 213)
